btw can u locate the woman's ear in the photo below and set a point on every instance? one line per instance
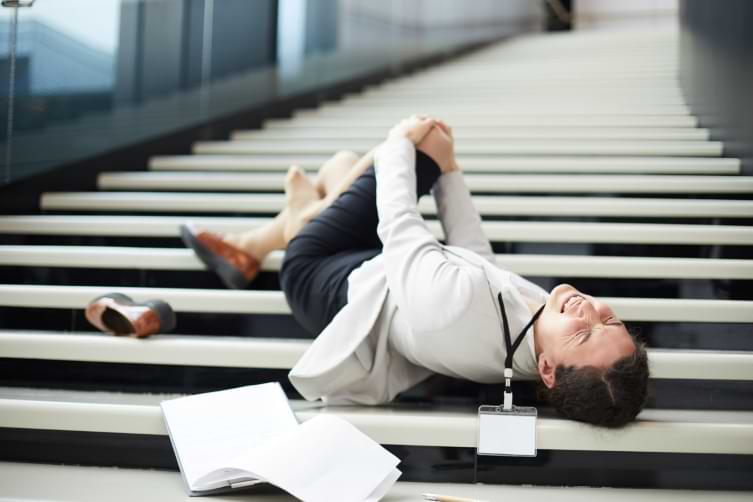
(547, 370)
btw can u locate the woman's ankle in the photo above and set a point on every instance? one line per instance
(255, 246)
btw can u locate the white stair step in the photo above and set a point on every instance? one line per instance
(528, 147)
(180, 299)
(507, 63)
(661, 431)
(140, 258)
(486, 205)
(481, 109)
(215, 351)
(438, 87)
(477, 183)
(430, 82)
(496, 231)
(398, 89)
(541, 84)
(532, 97)
(599, 165)
(524, 264)
(472, 110)
(276, 353)
(366, 137)
(273, 302)
(20, 482)
(518, 102)
(562, 120)
(464, 67)
(509, 92)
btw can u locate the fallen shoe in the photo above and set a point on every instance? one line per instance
(118, 314)
(235, 267)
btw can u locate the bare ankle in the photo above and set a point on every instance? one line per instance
(254, 245)
(299, 217)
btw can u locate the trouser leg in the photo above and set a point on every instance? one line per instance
(320, 258)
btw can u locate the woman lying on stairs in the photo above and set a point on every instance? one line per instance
(389, 304)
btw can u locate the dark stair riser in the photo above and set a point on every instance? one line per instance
(581, 249)
(437, 390)
(706, 336)
(727, 289)
(199, 212)
(419, 463)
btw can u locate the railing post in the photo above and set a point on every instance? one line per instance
(12, 38)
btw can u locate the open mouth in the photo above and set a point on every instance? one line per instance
(571, 300)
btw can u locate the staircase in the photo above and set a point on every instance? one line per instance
(587, 167)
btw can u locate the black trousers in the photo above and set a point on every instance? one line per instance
(318, 261)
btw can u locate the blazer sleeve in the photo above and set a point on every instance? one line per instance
(430, 290)
(459, 218)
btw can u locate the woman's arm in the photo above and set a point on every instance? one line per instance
(431, 290)
(457, 214)
(460, 220)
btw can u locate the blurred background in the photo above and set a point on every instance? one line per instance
(82, 77)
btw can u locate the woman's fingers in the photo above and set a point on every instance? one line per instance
(443, 125)
(421, 129)
(417, 126)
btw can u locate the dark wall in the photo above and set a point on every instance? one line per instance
(161, 44)
(716, 70)
(321, 26)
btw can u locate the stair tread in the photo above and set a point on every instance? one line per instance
(283, 353)
(523, 264)
(273, 302)
(501, 148)
(477, 183)
(486, 205)
(574, 164)
(679, 431)
(471, 136)
(497, 231)
(20, 482)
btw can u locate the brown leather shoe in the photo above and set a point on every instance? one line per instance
(235, 267)
(118, 314)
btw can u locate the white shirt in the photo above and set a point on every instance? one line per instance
(420, 306)
(486, 358)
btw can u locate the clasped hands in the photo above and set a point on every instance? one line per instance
(430, 135)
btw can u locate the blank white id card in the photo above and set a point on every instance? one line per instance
(510, 433)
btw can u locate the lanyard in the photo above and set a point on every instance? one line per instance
(512, 347)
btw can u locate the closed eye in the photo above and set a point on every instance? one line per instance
(613, 322)
(585, 335)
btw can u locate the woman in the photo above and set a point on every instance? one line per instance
(389, 305)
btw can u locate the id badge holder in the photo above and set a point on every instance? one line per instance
(504, 432)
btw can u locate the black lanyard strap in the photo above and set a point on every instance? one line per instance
(509, 344)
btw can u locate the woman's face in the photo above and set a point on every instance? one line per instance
(577, 330)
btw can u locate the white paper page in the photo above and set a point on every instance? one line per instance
(324, 459)
(210, 429)
(381, 490)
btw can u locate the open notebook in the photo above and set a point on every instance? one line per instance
(241, 437)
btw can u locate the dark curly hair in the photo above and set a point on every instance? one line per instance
(609, 397)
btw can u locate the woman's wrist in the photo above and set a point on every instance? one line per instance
(449, 167)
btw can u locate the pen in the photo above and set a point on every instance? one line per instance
(447, 498)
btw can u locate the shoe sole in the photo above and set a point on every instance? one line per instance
(120, 325)
(228, 274)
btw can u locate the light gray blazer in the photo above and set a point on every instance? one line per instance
(446, 294)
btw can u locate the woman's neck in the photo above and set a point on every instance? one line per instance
(534, 307)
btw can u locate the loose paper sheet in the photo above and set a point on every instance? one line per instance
(210, 429)
(326, 459)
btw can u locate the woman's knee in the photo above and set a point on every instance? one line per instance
(346, 157)
(334, 169)
(341, 161)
